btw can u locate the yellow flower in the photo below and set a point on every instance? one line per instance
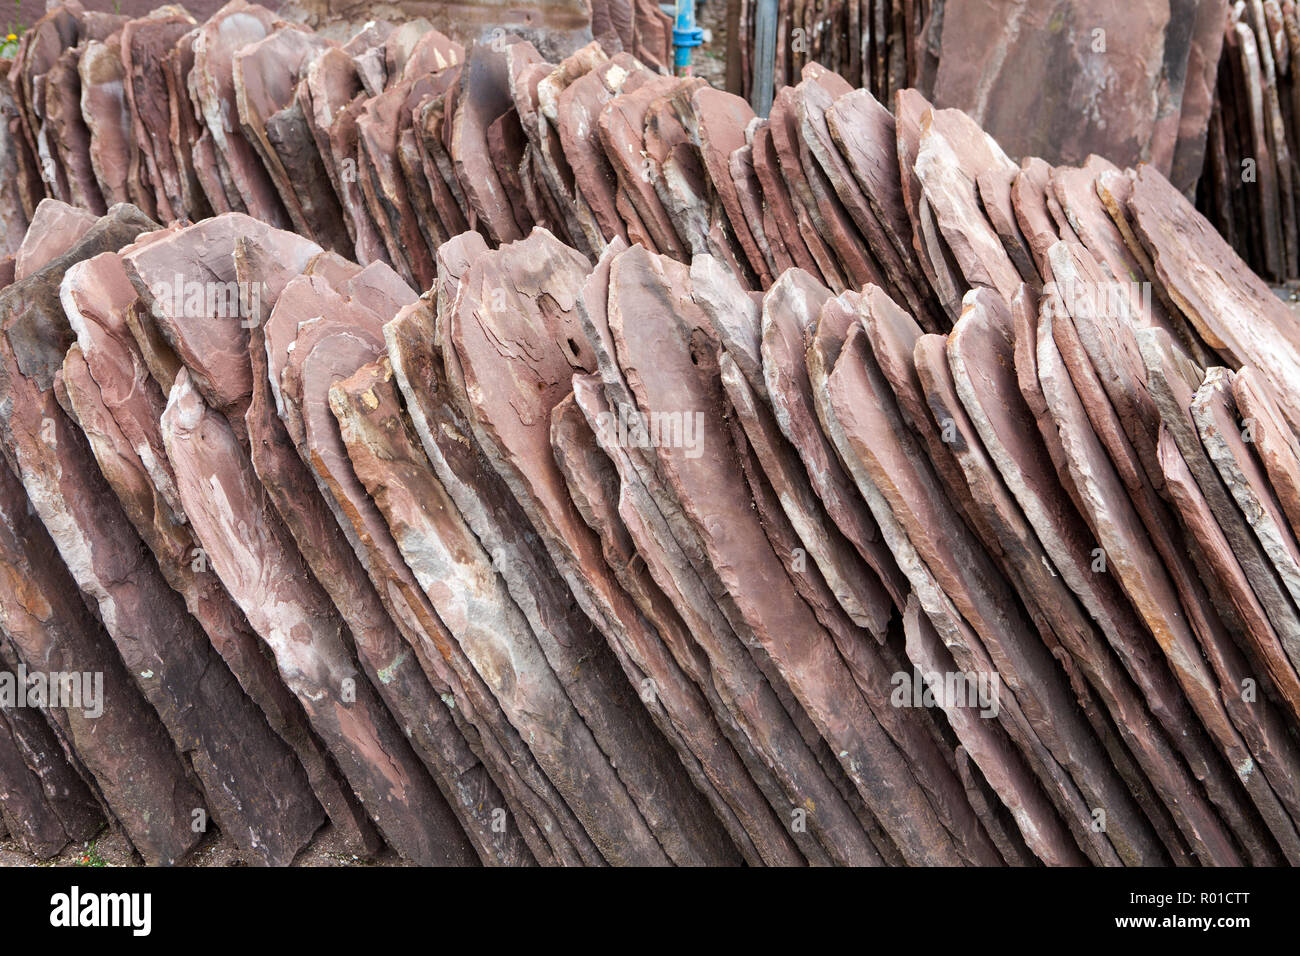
(12, 36)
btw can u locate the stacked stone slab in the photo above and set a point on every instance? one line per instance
(554, 463)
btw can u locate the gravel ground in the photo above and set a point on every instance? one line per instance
(110, 848)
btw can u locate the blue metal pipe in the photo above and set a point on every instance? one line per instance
(685, 36)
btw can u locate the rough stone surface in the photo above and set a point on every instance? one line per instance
(249, 550)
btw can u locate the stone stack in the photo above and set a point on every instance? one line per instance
(523, 462)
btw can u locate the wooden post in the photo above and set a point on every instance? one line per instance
(761, 91)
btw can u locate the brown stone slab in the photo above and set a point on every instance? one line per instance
(717, 121)
(507, 144)
(761, 222)
(1029, 193)
(989, 749)
(142, 477)
(1089, 100)
(865, 134)
(995, 195)
(65, 131)
(294, 616)
(1125, 537)
(1246, 57)
(790, 178)
(725, 664)
(1198, 93)
(777, 728)
(578, 108)
(622, 133)
(1204, 529)
(183, 129)
(685, 689)
(734, 313)
(18, 202)
(55, 229)
(44, 804)
(294, 141)
(1076, 188)
(1261, 725)
(332, 83)
(1121, 372)
(679, 376)
(1042, 828)
(814, 105)
(845, 507)
(809, 184)
(187, 279)
(1065, 628)
(909, 107)
(1274, 443)
(296, 813)
(790, 311)
(393, 581)
(782, 489)
(528, 73)
(543, 345)
(145, 43)
(288, 485)
(38, 51)
(234, 26)
(252, 781)
(266, 77)
(1037, 706)
(1174, 381)
(458, 576)
(983, 359)
(813, 592)
(1228, 305)
(432, 52)
(777, 200)
(50, 628)
(893, 336)
(328, 348)
(418, 371)
(678, 174)
(951, 154)
(1099, 313)
(419, 700)
(378, 125)
(107, 117)
(419, 190)
(319, 522)
(484, 94)
(1218, 421)
(427, 123)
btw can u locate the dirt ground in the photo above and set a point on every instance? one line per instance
(111, 848)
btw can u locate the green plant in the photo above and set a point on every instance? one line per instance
(90, 856)
(9, 42)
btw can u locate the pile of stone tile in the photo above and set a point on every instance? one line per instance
(1251, 180)
(1059, 79)
(882, 46)
(819, 489)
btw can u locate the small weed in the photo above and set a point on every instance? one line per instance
(9, 42)
(90, 856)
